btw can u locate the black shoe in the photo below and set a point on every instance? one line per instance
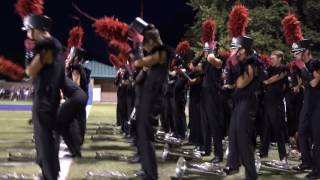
(313, 175)
(135, 159)
(217, 160)
(73, 155)
(301, 167)
(262, 155)
(230, 171)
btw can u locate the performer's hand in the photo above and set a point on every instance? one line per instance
(296, 89)
(192, 81)
(145, 68)
(29, 44)
(173, 73)
(135, 36)
(227, 86)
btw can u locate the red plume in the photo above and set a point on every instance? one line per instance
(182, 47)
(238, 21)
(10, 69)
(116, 61)
(120, 47)
(109, 28)
(25, 7)
(292, 29)
(266, 59)
(75, 37)
(208, 30)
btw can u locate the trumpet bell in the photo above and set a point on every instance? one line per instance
(181, 167)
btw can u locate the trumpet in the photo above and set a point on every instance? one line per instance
(186, 153)
(210, 169)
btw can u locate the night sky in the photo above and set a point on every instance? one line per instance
(170, 16)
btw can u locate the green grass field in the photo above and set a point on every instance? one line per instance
(14, 128)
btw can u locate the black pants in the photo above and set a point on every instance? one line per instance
(273, 122)
(169, 110)
(315, 124)
(122, 109)
(180, 116)
(227, 105)
(145, 134)
(47, 146)
(72, 120)
(211, 121)
(196, 136)
(309, 135)
(294, 106)
(241, 149)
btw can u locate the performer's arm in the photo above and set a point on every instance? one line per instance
(216, 62)
(245, 78)
(150, 60)
(195, 81)
(76, 77)
(315, 81)
(45, 57)
(275, 78)
(34, 67)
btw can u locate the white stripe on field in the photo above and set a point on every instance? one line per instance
(65, 163)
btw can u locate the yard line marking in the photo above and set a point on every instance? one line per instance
(65, 163)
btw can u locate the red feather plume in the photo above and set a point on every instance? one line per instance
(25, 7)
(110, 28)
(208, 30)
(120, 47)
(10, 69)
(116, 61)
(266, 59)
(75, 37)
(182, 47)
(238, 21)
(292, 29)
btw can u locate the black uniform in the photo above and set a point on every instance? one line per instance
(273, 113)
(294, 102)
(47, 84)
(152, 89)
(84, 85)
(180, 124)
(122, 109)
(211, 117)
(196, 136)
(169, 108)
(71, 116)
(309, 123)
(241, 129)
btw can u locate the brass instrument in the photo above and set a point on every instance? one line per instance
(210, 169)
(186, 153)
